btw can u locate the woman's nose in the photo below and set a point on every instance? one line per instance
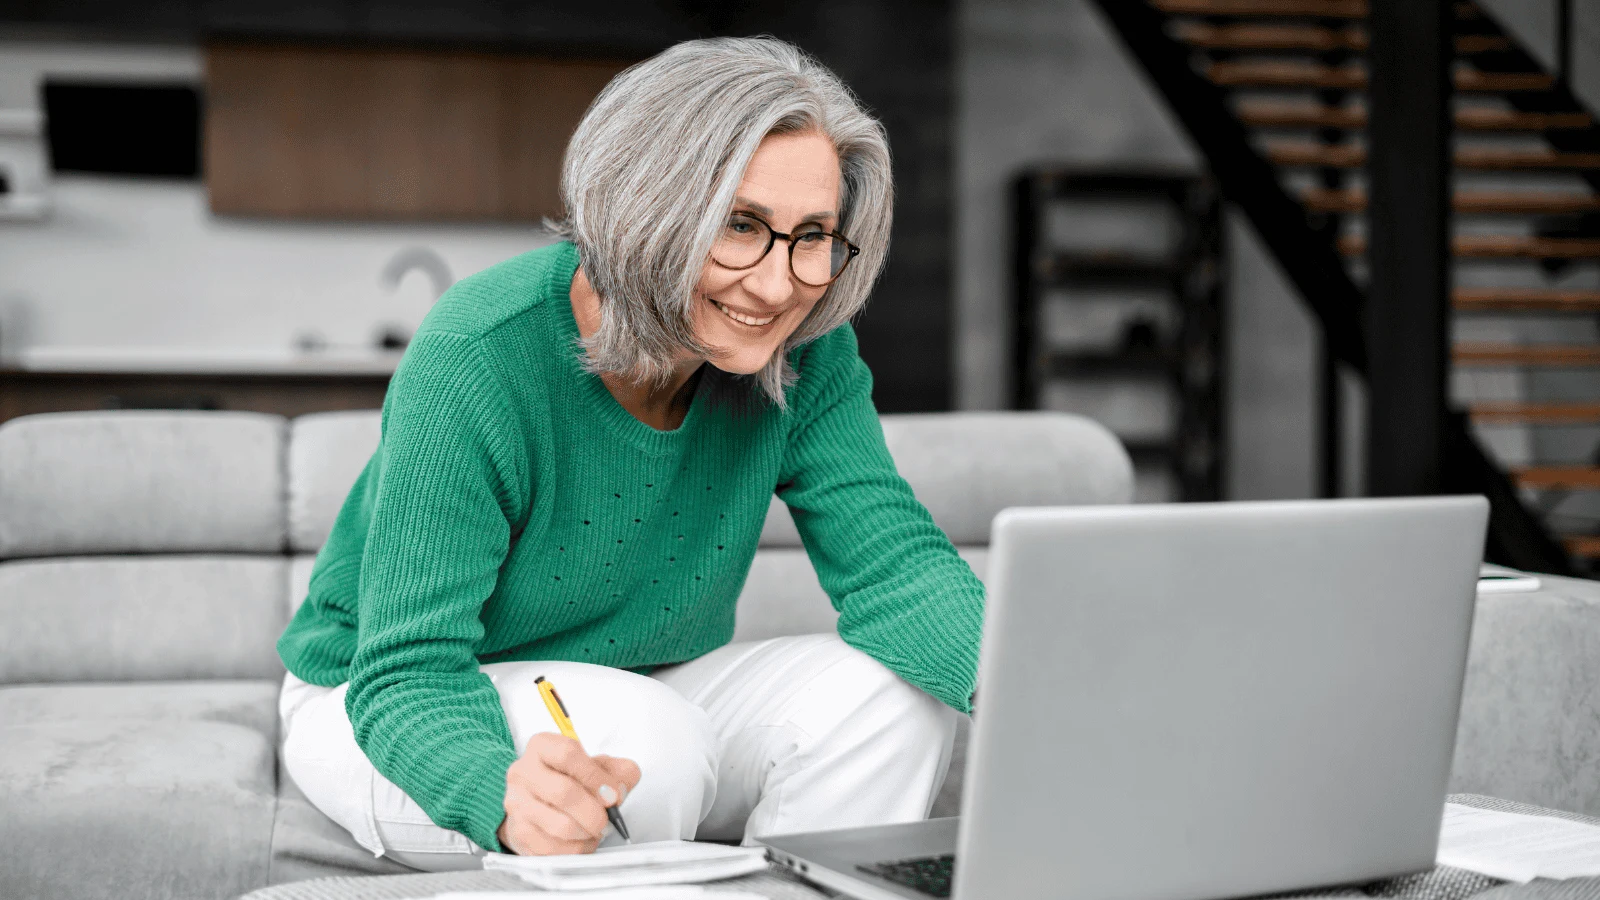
(770, 281)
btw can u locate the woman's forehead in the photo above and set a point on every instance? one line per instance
(792, 175)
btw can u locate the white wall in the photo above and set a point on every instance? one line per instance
(1585, 75)
(24, 64)
(1532, 23)
(1042, 81)
(141, 262)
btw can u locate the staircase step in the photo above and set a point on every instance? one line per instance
(1307, 37)
(1497, 246)
(1536, 413)
(1285, 115)
(1474, 158)
(1476, 202)
(1556, 355)
(1277, 73)
(1292, 9)
(1586, 546)
(1271, 37)
(1563, 477)
(1525, 300)
(1473, 81)
(1318, 155)
(1315, 9)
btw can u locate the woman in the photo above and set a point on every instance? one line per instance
(577, 456)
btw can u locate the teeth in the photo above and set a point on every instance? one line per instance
(740, 317)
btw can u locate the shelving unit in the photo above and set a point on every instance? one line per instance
(1171, 243)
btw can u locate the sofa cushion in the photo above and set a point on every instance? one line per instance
(142, 790)
(155, 617)
(966, 467)
(781, 596)
(1529, 731)
(300, 567)
(326, 453)
(134, 482)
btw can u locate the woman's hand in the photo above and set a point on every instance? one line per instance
(556, 797)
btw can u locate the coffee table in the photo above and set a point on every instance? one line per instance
(1439, 883)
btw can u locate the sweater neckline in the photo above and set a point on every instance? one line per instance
(599, 398)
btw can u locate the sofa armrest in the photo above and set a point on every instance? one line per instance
(1530, 707)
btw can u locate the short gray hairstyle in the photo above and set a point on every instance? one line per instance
(650, 177)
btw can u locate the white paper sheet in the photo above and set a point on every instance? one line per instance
(1493, 579)
(632, 865)
(1517, 847)
(657, 892)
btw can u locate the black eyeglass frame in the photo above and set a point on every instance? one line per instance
(772, 237)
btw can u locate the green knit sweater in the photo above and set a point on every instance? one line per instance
(515, 511)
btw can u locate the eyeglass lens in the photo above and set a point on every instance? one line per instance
(815, 257)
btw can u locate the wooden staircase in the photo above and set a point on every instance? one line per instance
(1526, 202)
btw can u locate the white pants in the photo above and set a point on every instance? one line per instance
(786, 735)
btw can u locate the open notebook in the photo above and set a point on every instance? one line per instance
(655, 892)
(631, 865)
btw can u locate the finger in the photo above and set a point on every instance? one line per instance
(562, 794)
(539, 825)
(624, 774)
(526, 840)
(555, 824)
(566, 755)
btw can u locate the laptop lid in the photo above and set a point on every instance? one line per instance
(1206, 700)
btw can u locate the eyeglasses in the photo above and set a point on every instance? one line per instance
(817, 258)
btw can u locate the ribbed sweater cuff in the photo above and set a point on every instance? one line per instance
(950, 670)
(481, 799)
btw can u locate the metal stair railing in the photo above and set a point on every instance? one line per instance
(1314, 266)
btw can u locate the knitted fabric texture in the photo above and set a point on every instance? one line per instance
(515, 511)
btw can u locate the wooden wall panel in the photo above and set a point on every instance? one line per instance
(330, 133)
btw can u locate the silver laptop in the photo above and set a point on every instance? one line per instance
(1196, 701)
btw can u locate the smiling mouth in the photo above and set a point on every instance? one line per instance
(741, 318)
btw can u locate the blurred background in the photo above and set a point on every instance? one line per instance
(1151, 213)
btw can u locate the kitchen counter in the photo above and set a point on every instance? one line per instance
(284, 382)
(263, 361)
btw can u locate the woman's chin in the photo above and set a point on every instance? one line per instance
(743, 362)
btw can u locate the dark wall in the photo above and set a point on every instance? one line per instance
(896, 54)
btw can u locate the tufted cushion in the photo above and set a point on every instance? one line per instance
(966, 467)
(781, 596)
(134, 791)
(300, 567)
(134, 482)
(327, 451)
(89, 618)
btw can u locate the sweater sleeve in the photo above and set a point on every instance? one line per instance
(904, 596)
(447, 494)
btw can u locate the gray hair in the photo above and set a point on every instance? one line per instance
(650, 176)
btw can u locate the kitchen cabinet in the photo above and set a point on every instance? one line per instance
(68, 380)
(26, 393)
(316, 132)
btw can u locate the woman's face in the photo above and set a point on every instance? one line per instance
(792, 184)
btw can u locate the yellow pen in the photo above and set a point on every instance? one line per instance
(558, 711)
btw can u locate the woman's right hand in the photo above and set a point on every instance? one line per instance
(556, 797)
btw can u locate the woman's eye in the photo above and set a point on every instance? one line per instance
(741, 226)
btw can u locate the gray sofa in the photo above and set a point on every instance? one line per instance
(149, 560)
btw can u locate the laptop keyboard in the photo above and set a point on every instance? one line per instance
(929, 874)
